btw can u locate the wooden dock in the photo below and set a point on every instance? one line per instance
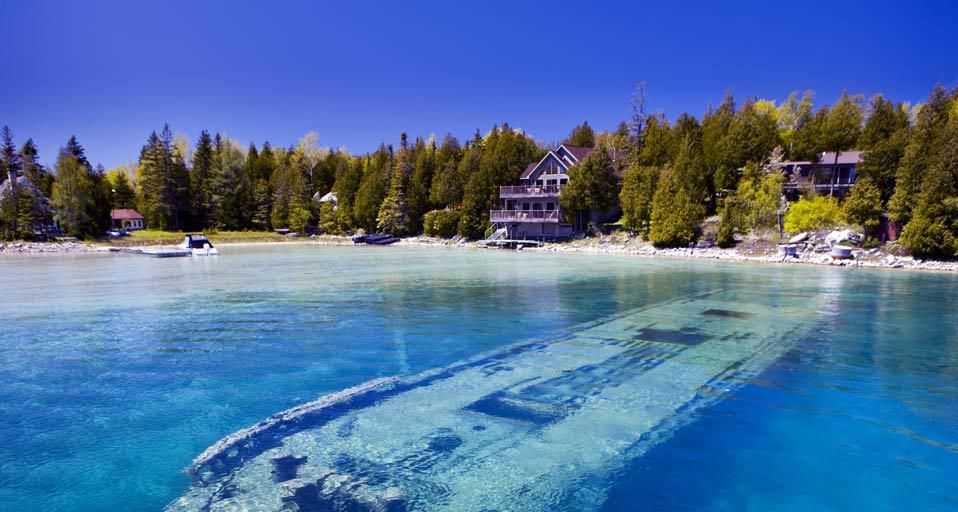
(511, 244)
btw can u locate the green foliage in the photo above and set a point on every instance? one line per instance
(920, 154)
(821, 212)
(328, 219)
(592, 185)
(729, 224)
(123, 194)
(164, 182)
(503, 155)
(677, 210)
(72, 195)
(448, 182)
(863, 206)
(636, 197)
(933, 230)
(752, 135)
(758, 199)
(394, 215)
(581, 135)
(441, 223)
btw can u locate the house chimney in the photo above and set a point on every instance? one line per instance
(12, 176)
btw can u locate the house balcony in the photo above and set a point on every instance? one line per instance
(524, 215)
(522, 191)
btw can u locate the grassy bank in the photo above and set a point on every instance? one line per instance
(157, 237)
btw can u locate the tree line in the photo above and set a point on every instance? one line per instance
(678, 173)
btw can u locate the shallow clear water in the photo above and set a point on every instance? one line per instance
(115, 371)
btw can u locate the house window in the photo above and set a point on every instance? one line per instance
(525, 206)
(550, 206)
(537, 206)
(563, 181)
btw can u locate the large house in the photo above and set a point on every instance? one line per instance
(531, 209)
(824, 176)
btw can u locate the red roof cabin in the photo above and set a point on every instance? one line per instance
(127, 218)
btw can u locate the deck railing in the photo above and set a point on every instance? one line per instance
(529, 191)
(524, 215)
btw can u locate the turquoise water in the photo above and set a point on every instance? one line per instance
(117, 371)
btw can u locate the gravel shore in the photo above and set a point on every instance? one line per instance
(603, 245)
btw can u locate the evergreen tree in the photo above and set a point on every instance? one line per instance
(677, 210)
(231, 193)
(447, 185)
(659, 147)
(200, 174)
(420, 185)
(807, 141)
(71, 195)
(123, 194)
(33, 169)
(582, 135)
(9, 157)
(864, 206)
(752, 135)
(715, 128)
(591, 188)
(394, 214)
(841, 131)
(372, 189)
(919, 156)
(638, 191)
(933, 230)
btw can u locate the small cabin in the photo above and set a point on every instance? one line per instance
(127, 218)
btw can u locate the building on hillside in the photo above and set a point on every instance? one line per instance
(531, 210)
(127, 218)
(824, 176)
(330, 197)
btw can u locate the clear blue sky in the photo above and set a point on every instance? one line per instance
(358, 73)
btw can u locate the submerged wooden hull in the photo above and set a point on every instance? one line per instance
(532, 426)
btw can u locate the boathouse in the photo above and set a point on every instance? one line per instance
(531, 210)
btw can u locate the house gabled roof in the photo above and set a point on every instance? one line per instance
(578, 154)
(532, 167)
(125, 214)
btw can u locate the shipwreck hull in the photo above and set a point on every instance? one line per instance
(532, 426)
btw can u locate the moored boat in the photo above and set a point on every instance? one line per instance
(198, 245)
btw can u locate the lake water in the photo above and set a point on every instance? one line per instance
(116, 371)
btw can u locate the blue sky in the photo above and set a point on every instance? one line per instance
(358, 73)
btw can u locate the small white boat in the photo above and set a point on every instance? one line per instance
(199, 245)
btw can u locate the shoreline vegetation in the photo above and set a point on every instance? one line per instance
(717, 179)
(756, 251)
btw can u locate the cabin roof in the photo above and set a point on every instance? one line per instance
(125, 214)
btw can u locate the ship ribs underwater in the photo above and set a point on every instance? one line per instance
(537, 425)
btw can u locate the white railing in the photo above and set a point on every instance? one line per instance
(529, 191)
(524, 215)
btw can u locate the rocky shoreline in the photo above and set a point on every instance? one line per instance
(602, 245)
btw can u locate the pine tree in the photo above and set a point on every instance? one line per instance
(933, 229)
(841, 131)
(918, 158)
(35, 172)
(420, 185)
(582, 135)
(638, 190)
(9, 157)
(864, 206)
(394, 214)
(231, 193)
(200, 185)
(677, 210)
(591, 188)
(71, 194)
(446, 187)
(715, 128)
(123, 194)
(372, 189)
